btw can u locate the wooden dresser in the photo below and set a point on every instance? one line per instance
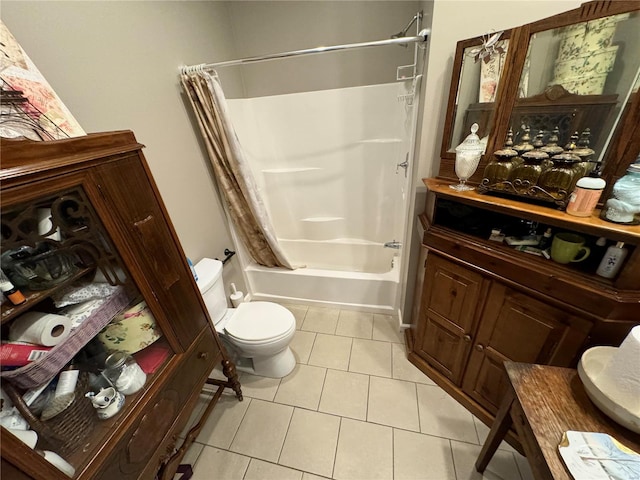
(107, 216)
(482, 302)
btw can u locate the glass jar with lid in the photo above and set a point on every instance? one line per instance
(623, 206)
(526, 175)
(498, 169)
(559, 180)
(124, 373)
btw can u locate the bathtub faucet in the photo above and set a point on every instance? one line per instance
(394, 244)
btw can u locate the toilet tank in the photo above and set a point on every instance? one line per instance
(211, 287)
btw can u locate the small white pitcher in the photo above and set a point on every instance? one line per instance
(107, 402)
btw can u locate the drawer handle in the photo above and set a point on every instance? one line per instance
(479, 347)
(203, 355)
(467, 338)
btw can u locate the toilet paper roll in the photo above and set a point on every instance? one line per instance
(620, 377)
(28, 437)
(40, 328)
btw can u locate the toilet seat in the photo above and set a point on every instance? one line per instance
(260, 322)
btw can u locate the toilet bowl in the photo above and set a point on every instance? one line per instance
(257, 334)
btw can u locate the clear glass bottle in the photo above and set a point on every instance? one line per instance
(623, 206)
(124, 373)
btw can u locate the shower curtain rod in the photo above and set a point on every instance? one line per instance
(420, 38)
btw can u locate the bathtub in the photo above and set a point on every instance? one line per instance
(351, 275)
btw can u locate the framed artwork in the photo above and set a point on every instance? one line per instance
(28, 105)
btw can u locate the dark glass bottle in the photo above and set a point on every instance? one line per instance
(10, 291)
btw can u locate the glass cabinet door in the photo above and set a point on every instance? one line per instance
(80, 344)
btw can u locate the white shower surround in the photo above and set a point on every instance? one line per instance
(365, 292)
(326, 165)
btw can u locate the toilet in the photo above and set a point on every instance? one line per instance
(257, 333)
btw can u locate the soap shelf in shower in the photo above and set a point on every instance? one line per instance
(290, 170)
(382, 140)
(322, 219)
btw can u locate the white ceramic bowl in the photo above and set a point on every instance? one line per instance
(589, 368)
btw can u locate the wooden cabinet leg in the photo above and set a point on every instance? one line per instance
(498, 431)
(229, 371)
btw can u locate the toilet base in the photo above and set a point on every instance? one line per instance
(275, 366)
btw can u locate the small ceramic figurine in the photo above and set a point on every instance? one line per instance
(107, 402)
(623, 206)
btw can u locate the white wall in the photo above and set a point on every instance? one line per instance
(115, 66)
(452, 21)
(262, 27)
(455, 20)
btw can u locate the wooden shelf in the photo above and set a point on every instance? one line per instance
(10, 311)
(592, 225)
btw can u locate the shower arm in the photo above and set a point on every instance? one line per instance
(422, 37)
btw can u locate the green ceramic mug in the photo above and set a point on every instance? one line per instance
(566, 248)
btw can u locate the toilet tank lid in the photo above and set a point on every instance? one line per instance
(208, 271)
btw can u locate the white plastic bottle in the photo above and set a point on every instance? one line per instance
(612, 260)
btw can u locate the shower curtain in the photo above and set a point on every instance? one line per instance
(232, 171)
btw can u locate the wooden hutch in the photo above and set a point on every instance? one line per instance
(106, 214)
(480, 302)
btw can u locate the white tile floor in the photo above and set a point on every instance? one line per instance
(354, 408)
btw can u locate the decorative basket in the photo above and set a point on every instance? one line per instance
(68, 430)
(45, 368)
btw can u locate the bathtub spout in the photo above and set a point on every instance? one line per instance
(394, 244)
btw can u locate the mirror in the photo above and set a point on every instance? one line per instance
(480, 62)
(579, 77)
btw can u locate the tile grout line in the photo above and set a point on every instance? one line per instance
(415, 386)
(393, 453)
(195, 462)
(239, 423)
(302, 472)
(366, 416)
(324, 381)
(244, 475)
(518, 466)
(335, 453)
(350, 352)
(313, 344)
(453, 460)
(293, 411)
(475, 427)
